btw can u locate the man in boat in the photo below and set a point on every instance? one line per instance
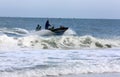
(47, 25)
(38, 27)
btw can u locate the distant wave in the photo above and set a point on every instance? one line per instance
(14, 31)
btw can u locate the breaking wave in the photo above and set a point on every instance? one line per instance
(45, 39)
(13, 31)
(58, 42)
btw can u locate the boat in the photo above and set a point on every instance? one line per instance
(56, 31)
(59, 31)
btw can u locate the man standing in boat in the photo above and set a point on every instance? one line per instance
(47, 24)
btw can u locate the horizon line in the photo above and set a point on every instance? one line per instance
(53, 17)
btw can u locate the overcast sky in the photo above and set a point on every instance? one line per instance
(61, 8)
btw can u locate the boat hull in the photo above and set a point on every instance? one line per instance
(59, 31)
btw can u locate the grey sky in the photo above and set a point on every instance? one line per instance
(61, 8)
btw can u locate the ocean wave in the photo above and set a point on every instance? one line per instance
(24, 32)
(13, 31)
(57, 63)
(58, 42)
(54, 72)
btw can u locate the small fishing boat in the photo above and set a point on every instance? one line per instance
(59, 31)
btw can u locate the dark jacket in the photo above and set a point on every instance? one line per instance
(47, 24)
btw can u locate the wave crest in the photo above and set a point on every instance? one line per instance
(58, 42)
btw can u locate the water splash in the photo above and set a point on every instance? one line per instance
(57, 42)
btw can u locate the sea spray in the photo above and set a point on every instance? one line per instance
(58, 42)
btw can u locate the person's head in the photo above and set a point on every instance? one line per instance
(38, 25)
(48, 21)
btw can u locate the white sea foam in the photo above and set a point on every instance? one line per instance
(41, 63)
(70, 32)
(42, 33)
(57, 42)
(20, 30)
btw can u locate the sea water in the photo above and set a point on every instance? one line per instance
(88, 46)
